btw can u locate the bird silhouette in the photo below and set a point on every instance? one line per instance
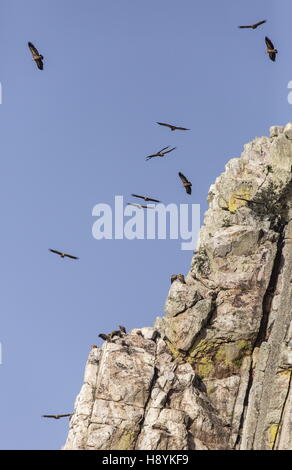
(187, 184)
(271, 49)
(160, 153)
(57, 416)
(63, 255)
(146, 198)
(253, 26)
(172, 127)
(36, 56)
(140, 206)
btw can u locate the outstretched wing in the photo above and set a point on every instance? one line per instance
(189, 189)
(33, 49)
(55, 251)
(71, 256)
(183, 178)
(150, 199)
(259, 23)
(162, 150)
(50, 416)
(170, 150)
(145, 198)
(243, 27)
(40, 64)
(164, 124)
(182, 128)
(269, 43)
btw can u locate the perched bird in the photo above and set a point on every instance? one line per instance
(116, 333)
(271, 49)
(187, 184)
(36, 56)
(172, 127)
(63, 255)
(123, 329)
(140, 206)
(146, 198)
(57, 416)
(173, 278)
(178, 277)
(253, 26)
(104, 337)
(160, 153)
(181, 278)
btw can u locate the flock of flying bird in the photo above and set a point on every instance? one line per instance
(38, 59)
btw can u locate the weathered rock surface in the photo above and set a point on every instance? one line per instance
(215, 372)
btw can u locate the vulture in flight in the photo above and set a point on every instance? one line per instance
(146, 198)
(36, 56)
(140, 206)
(57, 416)
(63, 255)
(253, 26)
(187, 184)
(160, 153)
(172, 127)
(271, 49)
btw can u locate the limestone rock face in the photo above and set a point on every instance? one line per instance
(215, 371)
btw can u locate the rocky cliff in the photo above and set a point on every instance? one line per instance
(215, 371)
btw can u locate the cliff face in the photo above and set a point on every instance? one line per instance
(215, 371)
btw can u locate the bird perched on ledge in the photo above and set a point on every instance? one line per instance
(36, 56)
(178, 277)
(123, 329)
(105, 337)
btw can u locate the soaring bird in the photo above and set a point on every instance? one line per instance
(160, 153)
(187, 184)
(146, 198)
(140, 206)
(123, 329)
(271, 49)
(253, 26)
(36, 56)
(172, 127)
(63, 255)
(57, 416)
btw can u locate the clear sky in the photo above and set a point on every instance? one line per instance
(76, 134)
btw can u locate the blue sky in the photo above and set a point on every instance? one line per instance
(76, 134)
